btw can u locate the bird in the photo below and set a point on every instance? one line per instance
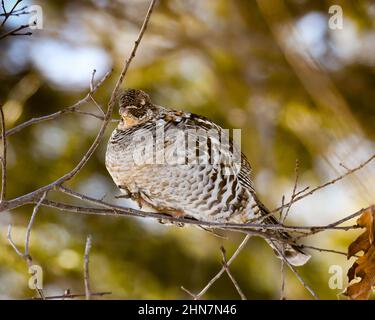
(185, 165)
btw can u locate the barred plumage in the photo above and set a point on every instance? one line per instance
(182, 164)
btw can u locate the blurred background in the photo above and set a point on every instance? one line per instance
(275, 69)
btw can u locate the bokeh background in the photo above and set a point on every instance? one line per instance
(296, 88)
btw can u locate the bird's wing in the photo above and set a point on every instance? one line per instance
(196, 137)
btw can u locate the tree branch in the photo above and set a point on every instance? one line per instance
(3, 158)
(86, 268)
(26, 255)
(71, 109)
(222, 270)
(226, 267)
(8, 14)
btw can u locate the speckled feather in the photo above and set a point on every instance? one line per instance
(201, 191)
(194, 189)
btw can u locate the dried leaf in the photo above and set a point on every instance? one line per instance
(364, 266)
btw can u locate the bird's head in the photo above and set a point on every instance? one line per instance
(135, 107)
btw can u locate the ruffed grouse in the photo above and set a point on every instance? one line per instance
(183, 164)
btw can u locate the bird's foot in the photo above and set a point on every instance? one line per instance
(169, 222)
(126, 194)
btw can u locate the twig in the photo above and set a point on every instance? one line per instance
(13, 32)
(30, 225)
(86, 268)
(8, 14)
(92, 80)
(72, 296)
(296, 171)
(100, 117)
(282, 209)
(3, 158)
(91, 96)
(303, 194)
(26, 255)
(15, 13)
(11, 242)
(283, 274)
(222, 270)
(71, 109)
(324, 250)
(5, 11)
(351, 171)
(294, 270)
(235, 283)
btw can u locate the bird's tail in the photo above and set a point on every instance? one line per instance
(292, 253)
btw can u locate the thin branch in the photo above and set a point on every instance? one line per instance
(30, 225)
(294, 270)
(100, 117)
(226, 267)
(86, 268)
(326, 184)
(92, 80)
(222, 270)
(296, 171)
(16, 12)
(281, 210)
(91, 96)
(283, 274)
(72, 296)
(324, 250)
(11, 242)
(303, 194)
(26, 254)
(5, 11)
(3, 158)
(8, 14)
(14, 31)
(71, 109)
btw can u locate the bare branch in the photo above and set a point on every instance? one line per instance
(3, 158)
(26, 255)
(283, 274)
(325, 250)
(296, 171)
(71, 109)
(92, 80)
(326, 184)
(235, 283)
(11, 242)
(294, 270)
(222, 270)
(16, 12)
(73, 296)
(8, 14)
(91, 96)
(303, 193)
(30, 225)
(86, 268)
(14, 31)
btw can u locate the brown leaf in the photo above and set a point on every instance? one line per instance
(364, 266)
